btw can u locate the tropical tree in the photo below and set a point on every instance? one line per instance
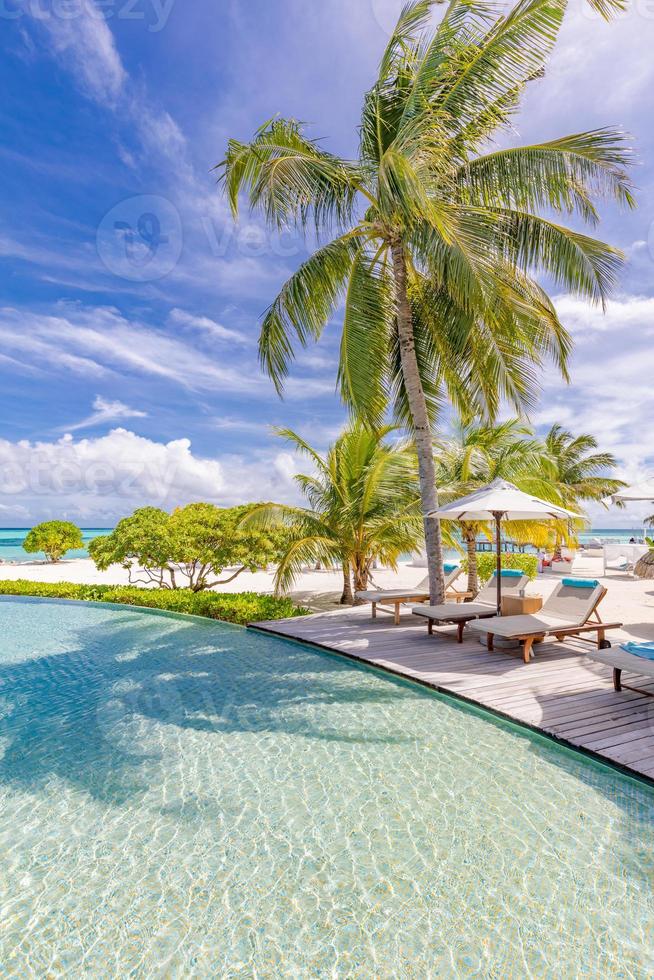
(53, 538)
(575, 469)
(363, 504)
(189, 548)
(437, 241)
(476, 453)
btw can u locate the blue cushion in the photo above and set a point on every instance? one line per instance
(510, 573)
(581, 583)
(645, 650)
(449, 567)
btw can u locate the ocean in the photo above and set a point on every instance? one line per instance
(11, 540)
(11, 543)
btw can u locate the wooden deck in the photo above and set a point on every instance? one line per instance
(561, 692)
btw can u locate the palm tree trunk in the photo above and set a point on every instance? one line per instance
(360, 580)
(360, 572)
(421, 427)
(347, 598)
(471, 548)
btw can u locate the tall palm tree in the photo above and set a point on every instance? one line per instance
(363, 505)
(477, 453)
(436, 241)
(576, 470)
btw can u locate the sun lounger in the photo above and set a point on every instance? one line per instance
(484, 605)
(570, 611)
(398, 597)
(624, 659)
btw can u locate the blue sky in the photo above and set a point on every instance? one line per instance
(128, 370)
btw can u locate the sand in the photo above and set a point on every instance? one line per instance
(629, 600)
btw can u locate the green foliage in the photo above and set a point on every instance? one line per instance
(442, 240)
(363, 504)
(54, 539)
(487, 563)
(576, 471)
(429, 190)
(189, 547)
(241, 607)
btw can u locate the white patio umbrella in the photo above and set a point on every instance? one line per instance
(639, 491)
(501, 501)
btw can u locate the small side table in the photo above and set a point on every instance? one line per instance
(518, 605)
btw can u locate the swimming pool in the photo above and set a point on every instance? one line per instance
(182, 798)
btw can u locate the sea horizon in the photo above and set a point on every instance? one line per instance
(11, 550)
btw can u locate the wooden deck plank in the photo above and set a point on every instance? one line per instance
(561, 692)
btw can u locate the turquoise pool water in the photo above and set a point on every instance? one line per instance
(181, 798)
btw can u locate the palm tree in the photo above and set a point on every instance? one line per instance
(363, 505)
(436, 244)
(477, 453)
(576, 471)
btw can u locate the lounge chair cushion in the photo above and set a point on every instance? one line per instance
(389, 595)
(573, 603)
(623, 661)
(568, 607)
(511, 585)
(515, 626)
(452, 611)
(417, 592)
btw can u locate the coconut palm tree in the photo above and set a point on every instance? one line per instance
(477, 453)
(576, 471)
(363, 504)
(437, 241)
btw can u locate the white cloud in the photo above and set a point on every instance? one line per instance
(98, 480)
(98, 340)
(242, 425)
(626, 313)
(85, 45)
(106, 410)
(611, 395)
(204, 323)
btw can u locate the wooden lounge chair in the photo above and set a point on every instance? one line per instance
(621, 660)
(570, 611)
(484, 605)
(398, 597)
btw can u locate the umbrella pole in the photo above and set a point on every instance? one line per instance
(498, 571)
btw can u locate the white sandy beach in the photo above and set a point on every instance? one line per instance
(629, 600)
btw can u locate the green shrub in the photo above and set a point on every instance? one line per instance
(53, 538)
(487, 562)
(239, 607)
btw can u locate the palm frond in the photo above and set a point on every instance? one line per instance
(367, 328)
(566, 174)
(583, 265)
(304, 305)
(289, 178)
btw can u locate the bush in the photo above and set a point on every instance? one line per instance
(53, 538)
(189, 548)
(239, 607)
(487, 562)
